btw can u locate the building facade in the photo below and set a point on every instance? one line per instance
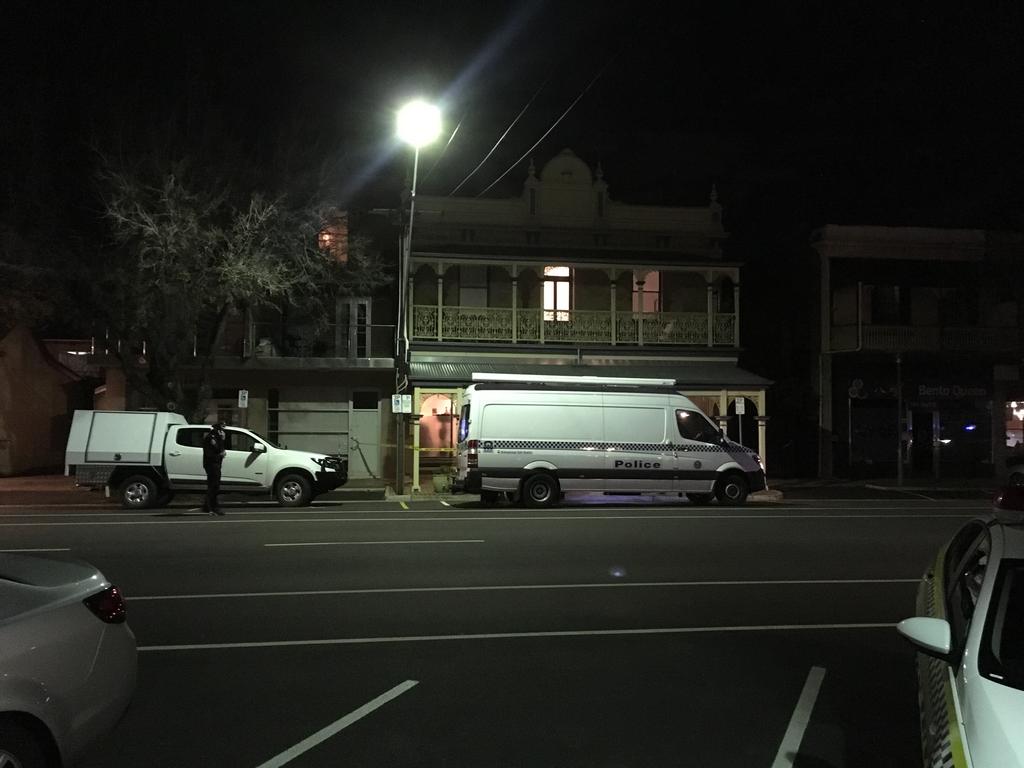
(920, 351)
(564, 279)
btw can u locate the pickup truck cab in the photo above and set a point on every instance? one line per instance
(145, 457)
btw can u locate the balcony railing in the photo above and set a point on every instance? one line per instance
(268, 340)
(575, 326)
(926, 338)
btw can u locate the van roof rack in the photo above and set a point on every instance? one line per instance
(588, 381)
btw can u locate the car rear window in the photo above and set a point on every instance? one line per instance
(1002, 646)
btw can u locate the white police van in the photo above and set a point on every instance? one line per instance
(538, 437)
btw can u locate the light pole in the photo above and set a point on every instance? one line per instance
(418, 124)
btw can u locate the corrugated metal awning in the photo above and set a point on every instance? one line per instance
(703, 374)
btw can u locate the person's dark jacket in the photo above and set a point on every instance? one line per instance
(213, 447)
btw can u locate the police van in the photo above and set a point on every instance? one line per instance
(538, 437)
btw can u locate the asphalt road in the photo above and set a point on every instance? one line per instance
(421, 634)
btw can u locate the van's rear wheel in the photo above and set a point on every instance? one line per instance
(732, 489)
(138, 492)
(540, 490)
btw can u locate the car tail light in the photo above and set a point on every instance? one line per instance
(108, 605)
(473, 457)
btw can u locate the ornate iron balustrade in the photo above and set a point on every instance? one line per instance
(576, 326)
(925, 337)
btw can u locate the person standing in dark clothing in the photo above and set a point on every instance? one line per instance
(214, 443)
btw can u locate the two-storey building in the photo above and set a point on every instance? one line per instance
(564, 279)
(920, 351)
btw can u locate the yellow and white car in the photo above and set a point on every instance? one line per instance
(969, 629)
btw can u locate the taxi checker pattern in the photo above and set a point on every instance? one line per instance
(568, 445)
(940, 735)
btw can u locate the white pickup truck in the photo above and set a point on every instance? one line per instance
(144, 457)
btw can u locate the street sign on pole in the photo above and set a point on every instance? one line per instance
(396, 403)
(406, 403)
(243, 398)
(741, 406)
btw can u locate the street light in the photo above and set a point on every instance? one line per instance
(418, 124)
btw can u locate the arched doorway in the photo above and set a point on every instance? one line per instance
(742, 428)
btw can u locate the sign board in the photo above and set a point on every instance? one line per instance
(406, 403)
(243, 398)
(741, 406)
(401, 403)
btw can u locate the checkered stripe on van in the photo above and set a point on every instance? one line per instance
(940, 735)
(576, 445)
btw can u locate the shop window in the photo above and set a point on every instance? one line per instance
(1015, 425)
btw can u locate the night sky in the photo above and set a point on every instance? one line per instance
(888, 113)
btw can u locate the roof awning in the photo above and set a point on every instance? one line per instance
(699, 374)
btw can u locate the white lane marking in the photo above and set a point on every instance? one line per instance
(338, 725)
(514, 636)
(355, 543)
(513, 587)
(403, 505)
(41, 549)
(445, 503)
(790, 746)
(204, 520)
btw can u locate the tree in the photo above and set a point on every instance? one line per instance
(185, 251)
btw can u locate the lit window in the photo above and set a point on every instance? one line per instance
(557, 281)
(647, 295)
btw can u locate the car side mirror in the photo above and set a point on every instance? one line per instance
(259, 448)
(930, 636)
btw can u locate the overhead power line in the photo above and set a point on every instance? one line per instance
(500, 139)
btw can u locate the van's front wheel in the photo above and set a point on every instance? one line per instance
(732, 489)
(540, 490)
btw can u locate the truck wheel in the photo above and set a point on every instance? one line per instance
(138, 492)
(732, 489)
(540, 490)
(700, 498)
(293, 491)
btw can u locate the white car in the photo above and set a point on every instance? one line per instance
(970, 631)
(67, 660)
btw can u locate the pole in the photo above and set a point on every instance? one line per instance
(403, 319)
(899, 420)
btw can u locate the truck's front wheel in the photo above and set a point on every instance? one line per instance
(138, 492)
(293, 490)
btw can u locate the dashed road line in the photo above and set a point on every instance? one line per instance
(355, 543)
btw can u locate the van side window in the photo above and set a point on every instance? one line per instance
(464, 423)
(693, 425)
(191, 438)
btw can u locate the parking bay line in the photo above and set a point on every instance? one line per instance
(513, 636)
(790, 746)
(523, 587)
(363, 543)
(338, 725)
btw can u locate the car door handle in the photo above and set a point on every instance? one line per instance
(174, 453)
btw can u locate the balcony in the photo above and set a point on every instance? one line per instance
(537, 326)
(926, 338)
(278, 345)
